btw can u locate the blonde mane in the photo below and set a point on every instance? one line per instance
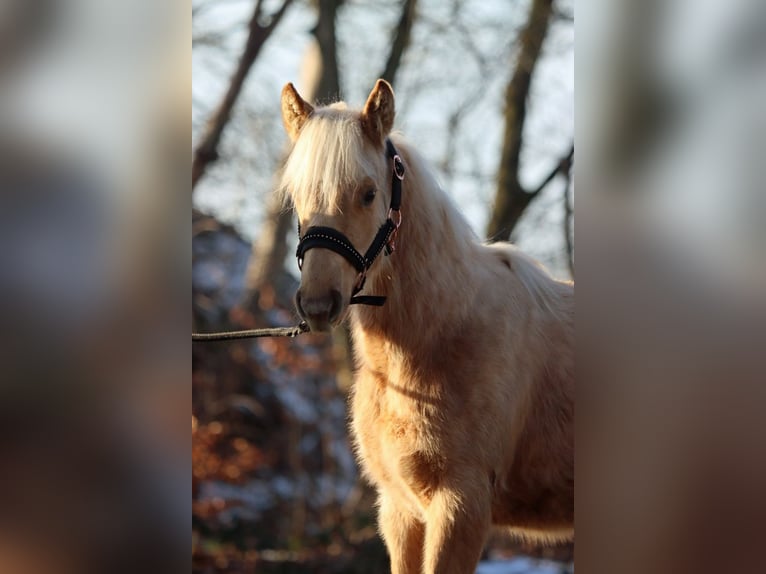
(314, 181)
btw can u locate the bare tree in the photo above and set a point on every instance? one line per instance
(400, 41)
(258, 33)
(511, 198)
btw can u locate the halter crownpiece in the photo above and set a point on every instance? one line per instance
(334, 240)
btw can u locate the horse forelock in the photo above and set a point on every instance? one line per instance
(328, 158)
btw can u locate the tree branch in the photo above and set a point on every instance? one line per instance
(563, 166)
(401, 40)
(568, 219)
(207, 151)
(511, 199)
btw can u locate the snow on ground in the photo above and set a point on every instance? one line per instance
(522, 565)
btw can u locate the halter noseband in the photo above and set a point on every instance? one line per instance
(334, 240)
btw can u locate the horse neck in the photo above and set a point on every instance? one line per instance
(428, 280)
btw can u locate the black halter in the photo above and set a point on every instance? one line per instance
(334, 240)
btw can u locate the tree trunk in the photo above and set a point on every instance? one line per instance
(511, 199)
(270, 249)
(328, 87)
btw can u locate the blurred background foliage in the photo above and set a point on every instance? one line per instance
(485, 90)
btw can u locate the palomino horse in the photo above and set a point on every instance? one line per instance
(463, 401)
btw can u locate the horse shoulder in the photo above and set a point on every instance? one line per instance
(398, 441)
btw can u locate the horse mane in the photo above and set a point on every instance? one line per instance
(431, 201)
(309, 179)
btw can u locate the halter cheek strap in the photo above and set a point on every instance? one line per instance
(334, 240)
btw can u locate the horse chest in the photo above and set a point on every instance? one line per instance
(399, 445)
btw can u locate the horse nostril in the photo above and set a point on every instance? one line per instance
(335, 304)
(320, 312)
(298, 305)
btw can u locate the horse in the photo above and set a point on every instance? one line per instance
(462, 407)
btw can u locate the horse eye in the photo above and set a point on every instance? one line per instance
(369, 196)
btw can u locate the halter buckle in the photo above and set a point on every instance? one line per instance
(398, 221)
(360, 280)
(391, 244)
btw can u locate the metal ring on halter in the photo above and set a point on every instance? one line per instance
(398, 167)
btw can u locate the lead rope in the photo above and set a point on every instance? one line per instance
(302, 327)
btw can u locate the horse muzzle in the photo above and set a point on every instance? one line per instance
(321, 313)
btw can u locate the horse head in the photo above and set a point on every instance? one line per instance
(340, 181)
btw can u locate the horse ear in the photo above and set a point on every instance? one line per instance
(295, 111)
(378, 113)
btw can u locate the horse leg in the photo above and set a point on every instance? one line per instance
(457, 526)
(403, 534)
